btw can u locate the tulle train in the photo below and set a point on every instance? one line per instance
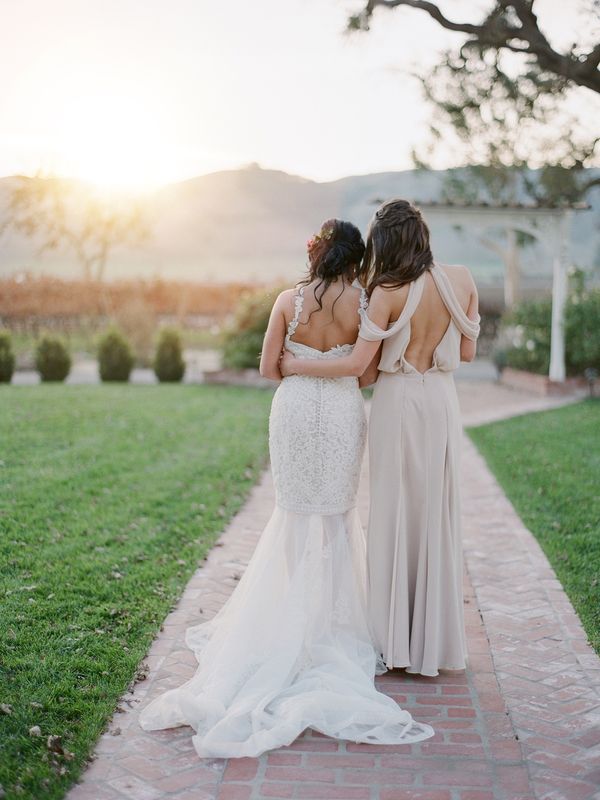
(289, 650)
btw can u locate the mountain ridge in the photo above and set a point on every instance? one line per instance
(252, 224)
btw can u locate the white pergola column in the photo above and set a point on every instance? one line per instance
(512, 275)
(559, 297)
(550, 226)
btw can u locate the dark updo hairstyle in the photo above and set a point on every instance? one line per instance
(397, 250)
(336, 251)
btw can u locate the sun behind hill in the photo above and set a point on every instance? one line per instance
(118, 142)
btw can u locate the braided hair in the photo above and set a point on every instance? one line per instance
(336, 251)
(397, 250)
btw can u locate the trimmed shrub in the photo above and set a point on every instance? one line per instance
(115, 357)
(526, 331)
(499, 359)
(7, 357)
(242, 341)
(169, 365)
(52, 359)
(491, 315)
(137, 322)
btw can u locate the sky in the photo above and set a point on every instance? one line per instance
(141, 93)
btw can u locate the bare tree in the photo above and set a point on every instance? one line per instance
(61, 213)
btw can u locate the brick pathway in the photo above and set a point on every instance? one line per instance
(548, 674)
(521, 723)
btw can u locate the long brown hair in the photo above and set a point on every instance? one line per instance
(397, 249)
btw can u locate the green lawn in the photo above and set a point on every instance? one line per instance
(109, 497)
(548, 464)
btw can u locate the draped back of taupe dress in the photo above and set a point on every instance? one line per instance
(414, 542)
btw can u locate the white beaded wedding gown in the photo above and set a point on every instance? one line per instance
(291, 648)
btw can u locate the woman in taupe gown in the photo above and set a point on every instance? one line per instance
(422, 320)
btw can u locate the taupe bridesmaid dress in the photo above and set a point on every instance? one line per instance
(414, 545)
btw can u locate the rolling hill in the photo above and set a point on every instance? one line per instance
(252, 224)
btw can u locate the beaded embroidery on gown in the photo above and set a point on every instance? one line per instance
(291, 648)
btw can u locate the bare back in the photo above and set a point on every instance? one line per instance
(330, 326)
(431, 318)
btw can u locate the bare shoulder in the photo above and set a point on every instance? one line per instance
(389, 294)
(458, 271)
(285, 299)
(284, 305)
(459, 275)
(387, 303)
(286, 295)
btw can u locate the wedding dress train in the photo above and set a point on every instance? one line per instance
(291, 648)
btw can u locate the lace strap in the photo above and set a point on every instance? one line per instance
(363, 304)
(298, 303)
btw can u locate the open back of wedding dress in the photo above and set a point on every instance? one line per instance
(291, 648)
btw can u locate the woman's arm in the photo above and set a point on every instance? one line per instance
(274, 338)
(371, 373)
(468, 347)
(354, 364)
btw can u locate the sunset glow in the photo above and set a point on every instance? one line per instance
(115, 145)
(112, 141)
(106, 93)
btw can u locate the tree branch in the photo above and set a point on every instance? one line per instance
(593, 58)
(589, 184)
(497, 32)
(431, 9)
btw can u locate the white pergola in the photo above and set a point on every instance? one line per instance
(551, 228)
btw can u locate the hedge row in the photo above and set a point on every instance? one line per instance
(525, 332)
(115, 357)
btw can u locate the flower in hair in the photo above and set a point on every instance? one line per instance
(326, 234)
(322, 235)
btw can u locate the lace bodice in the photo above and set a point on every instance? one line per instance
(317, 432)
(306, 351)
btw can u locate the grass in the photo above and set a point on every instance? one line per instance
(548, 464)
(110, 496)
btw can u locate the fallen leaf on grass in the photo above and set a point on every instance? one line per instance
(54, 744)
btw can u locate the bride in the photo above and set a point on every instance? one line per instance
(291, 648)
